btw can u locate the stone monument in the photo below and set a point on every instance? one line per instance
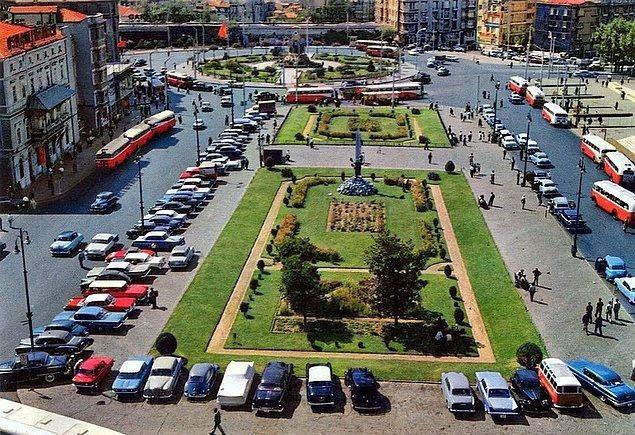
(356, 185)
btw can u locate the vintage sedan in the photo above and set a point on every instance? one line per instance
(541, 160)
(626, 286)
(615, 268)
(528, 392)
(320, 390)
(139, 230)
(92, 371)
(152, 260)
(457, 392)
(128, 269)
(121, 253)
(119, 289)
(181, 257)
(100, 245)
(191, 171)
(200, 380)
(509, 143)
(164, 377)
(132, 376)
(103, 274)
(66, 243)
(178, 207)
(33, 366)
(274, 384)
(63, 325)
(55, 343)
(364, 389)
(159, 240)
(162, 221)
(236, 383)
(104, 202)
(515, 98)
(94, 318)
(603, 382)
(497, 399)
(104, 300)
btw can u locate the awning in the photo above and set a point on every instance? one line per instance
(51, 97)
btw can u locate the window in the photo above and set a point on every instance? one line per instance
(18, 134)
(21, 168)
(14, 93)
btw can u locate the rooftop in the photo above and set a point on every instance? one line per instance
(71, 16)
(16, 38)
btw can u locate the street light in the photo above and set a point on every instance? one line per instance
(24, 239)
(137, 160)
(195, 128)
(495, 134)
(260, 149)
(526, 146)
(574, 246)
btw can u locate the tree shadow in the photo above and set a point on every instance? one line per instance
(328, 332)
(420, 337)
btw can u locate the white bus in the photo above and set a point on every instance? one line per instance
(517, 84)
(595, 148)
(619, 168)
(534, 96)
(555, 115)
(615, 200)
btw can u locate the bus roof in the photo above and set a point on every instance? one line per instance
(615, 189)
(554, 108)
(113, 146)
(621, 161)
(518, 79)
(563, 375)
(136, 130)
(535, 91)
(178, 74)
(381, 47)
(397, 86)
(310, 88)
(159, 117)
(598, 142)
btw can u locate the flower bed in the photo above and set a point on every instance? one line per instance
(302, 188)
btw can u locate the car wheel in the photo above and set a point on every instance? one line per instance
(603, 398)
(50, 377)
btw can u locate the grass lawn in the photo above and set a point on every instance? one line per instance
(295, 122)
(431, 127)
(245, 62)
(503, 311)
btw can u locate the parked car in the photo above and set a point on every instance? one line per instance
(320, 390)
(497, 399)
(55, 343)
(585, 74)
(162, 221)
(199, 124)
(63, 325)
(159, 240)
(181, 257)
(164, 377)
(532, 147)
(528, 392)
(236, 383)
(611, 267)
(548, 188)
(145, 258)
(364, 389)
(139, 230)
(560, 203)
(199, 85)
(104, 300)
(274, 384)
(177, 206)
(443, 71)
(101, 244)
(534, 177)
(515, 98)
(34, 366)
(103, 274)
(626, 286)
(457, 392)
(201, 380)
(132, 376)
(603, 382)
(104, 202)
(92, 372)
(572, 221)
(192, 171)
(121, 253)
(66, 243)
(541, 160)
(94, 318)
(128, 269)
(226, 101)
(509, 143)
(423, 78)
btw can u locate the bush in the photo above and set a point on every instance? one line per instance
(453, 292)
(424, 140)
(299, 137)
(343, 175)
(312, 108)
(270, 163)
(400, 119)
(391, 181)
(288, 227)
(459, 316)
(274, 231)
(433, 176)
(447, 271)
(416, 111)
(253, 284)
(302, 188)
(449, 166)
(428, 244)
(166, 343)
(286, 173)
(327, 254)
(289, 189)
(419, 196)
(442, 253)
(260, 265)
(285, 201)
(435, 222)
(373, 176)
(529, 355)
(269, 248)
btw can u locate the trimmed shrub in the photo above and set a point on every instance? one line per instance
(269, 248)
(289, 189)
(299, 136)
(274, 231)
(449, 166)
(253, 284)
(288, 227)
(286, 173)
(285, 201)
(442, 252)
(343, 175)
(312, 108)
(270, 163)
(373, 176)
(447, 271)
(166, 343)
(302, 188)
(260, 265)
(459, 316)
(529, 355)
(433, 176)
(453, 292)
(416, 111)
(391, 181)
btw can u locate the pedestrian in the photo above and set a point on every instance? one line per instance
(504, 153)
(81, 257)
(246, 162)
(598, 307)
(589, 311)
(430, 158)
(268, 138)
(532, 292)
(489, 95)
(152, 298)
(585, 321)
(471, 158)
(523, 200)
(464, 141)
(598, 326)
(489, 136)
(513, 163)
(209, 141)
(490, 201)
(616, 310)
(616, 105)
(492, 176)
(462, 117)
(491, 78)
(180, 119)
(472, 171)
(609, 311)
(522, 154)
(536, 272)
(484, 94)
(501, 104)
(517, 176)
(460, 136)
(539, 196)
(226, 119)
(217, 422)
(2, 229)
(480, 123)
(469, 136)
(275, 124)
(451, 111)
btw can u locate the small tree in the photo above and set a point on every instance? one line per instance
(449, 166)
(253, 284)
(453, 292)
(447, 270)
(301, 286)
(261, 265)
(529, 355)
(270, 163)
(459, 316)
(165, 343)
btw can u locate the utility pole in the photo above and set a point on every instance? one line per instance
(551, 48)
(527, 50)
(23, 236)
(138, 162)
(574, 246)
(526, 146)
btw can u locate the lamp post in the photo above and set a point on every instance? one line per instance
(195, 128)
(526, 146)
(137, 160)
(574, 246)
(260, 149)
(23, 237)
(495, 134)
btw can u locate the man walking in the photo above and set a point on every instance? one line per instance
(430, 158)
(589, 311)
(492, 177)
(1, 228)
(469, 136)
(490, 201)
(616, 310)
(517, 177)
(609, 311)
(217, 422)
(504, 153)
(598, 326)
(539, 196)
(532, 292)
(586, 318)
(523, 200)
(81, 257)
(513, 163)
(536, 274)
(598, 308)
(152, 298)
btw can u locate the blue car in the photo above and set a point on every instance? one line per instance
(158, 240)
(132, 376)
(200, 380)
(162, 221)
(611, 267)
(603, 382)
(94, 318)
(66, 243)
(104, 202)
(63, 325)
(33, 366)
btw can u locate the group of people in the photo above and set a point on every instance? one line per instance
(611, 312)
(521, 281)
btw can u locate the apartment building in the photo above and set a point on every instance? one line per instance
(505, 23)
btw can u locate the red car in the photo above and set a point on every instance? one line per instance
(190, 172)
(120, 254)
(119, 289)
(104, 300)
(92, 371)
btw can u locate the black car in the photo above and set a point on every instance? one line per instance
(32, 366)
(104, 202)
(183, 198)
(148, 226)
(320, 389)
(199, 85)
(55, 342)
(423, 78)
(572, 221)
(178, 207)
(275, 381)
(140, 62)
(528, 392)
(266, 96)
(363, 386)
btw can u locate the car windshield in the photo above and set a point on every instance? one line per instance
(65, 238)
(87, 372)
(618, 267)
(101, 239)
(128, 375)
(270, 387)
(196, 378)
(499, 392)
(179, 254)
(530, 383)
(461, 392)
(161, 372)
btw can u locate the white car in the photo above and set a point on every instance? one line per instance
(190, 188)
(413, 52)
(198, 124)
(138, 258)
(540, 159)
(548, 189)
(234, 165)
(626, 286)
(509, 143)
(206, 106)
(100, 245)
(132, 270)
(164, 376)
(504, 132)
(532, 148)
(234, 388)
(181, 257)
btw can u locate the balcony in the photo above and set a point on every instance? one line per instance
(42, 129)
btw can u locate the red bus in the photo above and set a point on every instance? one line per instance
(382, 51)
(619, 168)
(555, 115)
(534, 96)
(161, 122)
(363, 44)
(310, 94)
(114, 153)
(595, 148)
(517, 84)
(179, 80)
(139, 135)
(615, 200)
(561, 385)
(403, 91)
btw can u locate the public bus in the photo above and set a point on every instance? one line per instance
(561, 385)
(113, 153)
(363, 44)
(403, 91)
(180, 80)
(595, 148)
(161, 122)
(310, 94)
(619, 168)
(555, 115)
(615, 200)
(517, 84)
(139, 135)
(534, 96)
(351, 92)
(382, 51)
(381, 98)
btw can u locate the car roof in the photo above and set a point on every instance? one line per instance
(629, 279)
(274, 371)
(98, 297)
(156, 233)
(104, 193)
(103, 236)
(93, 361)
(66, 233)
(493, 379)
(181, 248)
(238, 368)
(614, 261)
(526, 375)
(200, 369)
(91, 310)
(55, 333)
(164, 362)
(457, 380)
(133, 365)
(320, 373)
(362, 377)
(599, 369)
(37, 356)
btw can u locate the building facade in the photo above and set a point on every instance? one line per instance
(611, 9)
(505, 23)
(570, 23)
(38, 103)
(363, 10)
(434, 22)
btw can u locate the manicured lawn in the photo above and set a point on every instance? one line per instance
(245, 73)
(504, 313)
(431, 127)
(294, 123)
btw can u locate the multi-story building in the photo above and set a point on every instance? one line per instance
(570, 23)
(505, 23)
(38, 102)
(611, 9)
(363, 10)
(434, 22)
(88, 36)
